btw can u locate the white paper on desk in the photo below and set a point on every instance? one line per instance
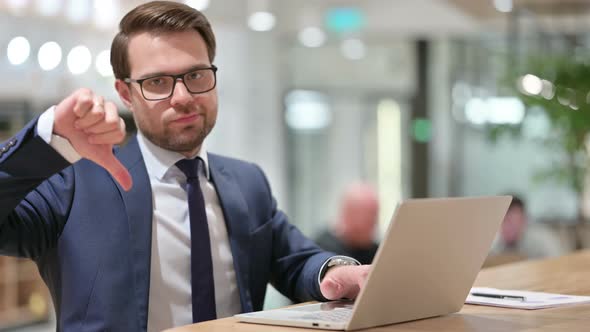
(533, 300)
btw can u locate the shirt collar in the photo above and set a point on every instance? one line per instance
(159, 160)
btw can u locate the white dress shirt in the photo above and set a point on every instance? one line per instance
(170, 302)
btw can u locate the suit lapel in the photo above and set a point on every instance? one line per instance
(139, 207)
(235, 212)
(138, 203)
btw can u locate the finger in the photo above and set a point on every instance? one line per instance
(98, 100)
(84, 102)
(110, 122)
(95, 115)
(117, 170)
(112, 137)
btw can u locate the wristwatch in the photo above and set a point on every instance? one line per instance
(336, 261)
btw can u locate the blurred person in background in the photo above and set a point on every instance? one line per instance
(196, 236)
(353, 232)
(519, 238)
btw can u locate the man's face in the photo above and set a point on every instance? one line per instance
(181, 122)
(359, 219)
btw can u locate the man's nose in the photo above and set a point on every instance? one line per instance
(181, 95)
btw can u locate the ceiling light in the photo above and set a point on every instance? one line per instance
(18, 50)
(79, 59)
(103, 63)
(312, 37)
(548, 90)
(261, 21)
(531, 85)
(495, 110)
(307, 110)
(49, 55)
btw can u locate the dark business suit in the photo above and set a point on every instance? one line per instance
(92, 240)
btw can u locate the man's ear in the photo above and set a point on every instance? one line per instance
(124, 93)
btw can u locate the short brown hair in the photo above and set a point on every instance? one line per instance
(157, 17)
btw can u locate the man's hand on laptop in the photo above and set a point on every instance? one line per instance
(344, 281)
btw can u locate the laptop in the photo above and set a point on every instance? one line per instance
(424, 267)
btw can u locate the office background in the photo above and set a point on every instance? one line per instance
(405, 95)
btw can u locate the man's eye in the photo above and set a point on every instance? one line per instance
(156, 81)
(194, 76)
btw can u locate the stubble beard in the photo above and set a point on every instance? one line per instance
(189, 140)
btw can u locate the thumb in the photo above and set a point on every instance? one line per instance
(67, 105)
(331, 289)
(344, 281)
(117, 170)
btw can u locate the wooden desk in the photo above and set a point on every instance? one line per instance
(568, 274)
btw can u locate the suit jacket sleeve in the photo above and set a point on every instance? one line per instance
(35, 197)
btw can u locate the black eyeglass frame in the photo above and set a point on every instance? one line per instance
(175, 78)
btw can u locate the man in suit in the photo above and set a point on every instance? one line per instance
(353, 232)
(518, 239)
(159, 233)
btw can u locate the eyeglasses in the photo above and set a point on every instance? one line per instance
(162, 86)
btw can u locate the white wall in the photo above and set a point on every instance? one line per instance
(250, 122)
(508, 166)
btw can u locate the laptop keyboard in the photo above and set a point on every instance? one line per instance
(340, 315)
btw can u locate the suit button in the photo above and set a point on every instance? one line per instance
(4, 149)
(12, 143)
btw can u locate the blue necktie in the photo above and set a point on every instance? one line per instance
(202, 287)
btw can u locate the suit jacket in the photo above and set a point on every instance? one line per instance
(92, 240)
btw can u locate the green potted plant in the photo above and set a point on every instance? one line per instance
(559, 87)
